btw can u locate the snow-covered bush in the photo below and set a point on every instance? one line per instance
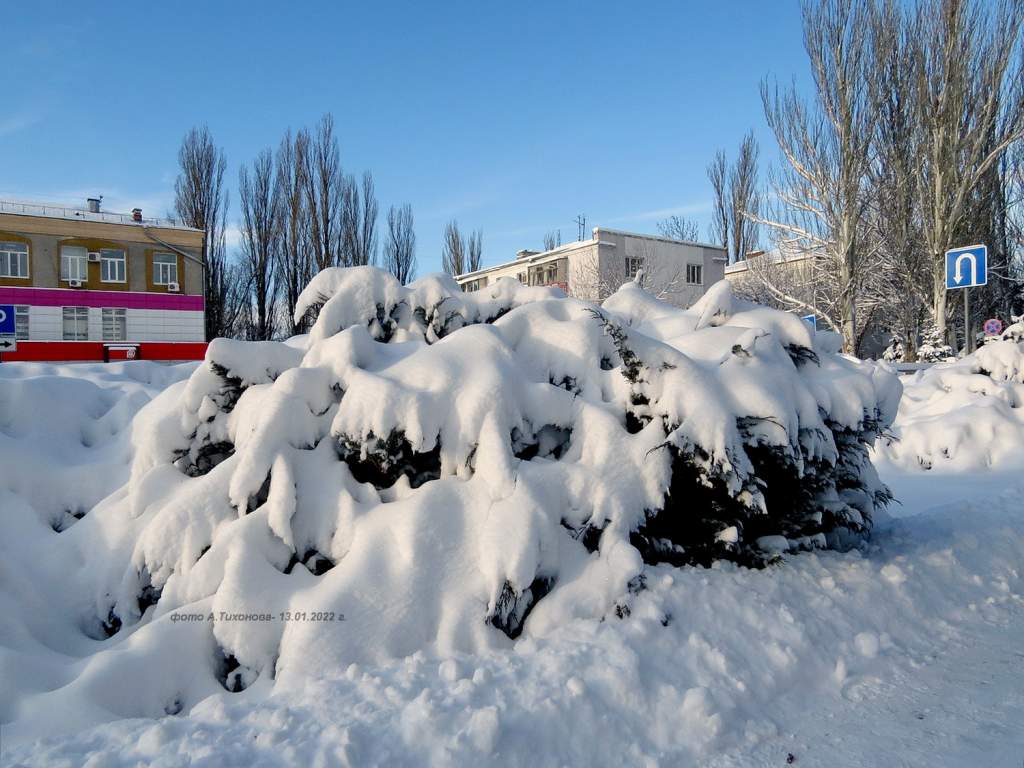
(962, 415)
(933, 348)
(895, 352)
(1015, 330)
(444, 469)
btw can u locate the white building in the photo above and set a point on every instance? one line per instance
(675, 271)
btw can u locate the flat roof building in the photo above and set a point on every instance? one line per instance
(85, 281)
(675, 271)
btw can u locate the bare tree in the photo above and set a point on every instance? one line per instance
(294, 257)
(359, 222)
(453, 251)
(475, 251)
(261, 231)
(368, 224)
(552, 240)
(718, 175)
(826, 144)
(744, 199)
(679, 228)
(969, 105)
(325, 190)
(904, 277)
(736, 203)
(201, 201)
(400, 248)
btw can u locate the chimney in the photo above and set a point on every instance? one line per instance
(92, 205)
(137, 215)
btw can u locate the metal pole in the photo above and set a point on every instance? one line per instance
(968, 340)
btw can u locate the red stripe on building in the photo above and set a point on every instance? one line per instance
(76, 297)
(97, 352)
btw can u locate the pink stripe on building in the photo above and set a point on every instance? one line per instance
(74, 297)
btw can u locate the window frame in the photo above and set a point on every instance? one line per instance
(114, 314)
(80, 313)
(104, 261)
(21, 312)
(84, 271)
(158, 273)
(633, 265)
(698, 272)
(6, 255)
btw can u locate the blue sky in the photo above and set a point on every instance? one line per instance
(509, 117)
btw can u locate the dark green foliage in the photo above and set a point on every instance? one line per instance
(512, 607)
(387, 459)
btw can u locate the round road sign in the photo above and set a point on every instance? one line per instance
(993, 327)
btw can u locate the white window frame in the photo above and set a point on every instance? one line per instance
(633, 265)
(80, 315)
(114, 324)
(80, 258)
(164, 272)
(21, 322)
(108, 262)
(695, 274)
(12, 252)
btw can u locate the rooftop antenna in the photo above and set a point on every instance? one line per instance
(581, 225)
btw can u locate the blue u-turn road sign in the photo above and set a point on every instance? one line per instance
(967, 267)
(7, 322)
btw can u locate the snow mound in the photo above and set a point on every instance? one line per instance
(963, 415)
(64, 430)
(443, 472)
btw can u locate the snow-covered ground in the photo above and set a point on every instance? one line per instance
(905, 652)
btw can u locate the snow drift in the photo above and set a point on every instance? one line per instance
(435, 467)
(963, 415)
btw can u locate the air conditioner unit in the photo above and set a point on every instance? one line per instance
(94, 255)
(173, 288)
(75, 283)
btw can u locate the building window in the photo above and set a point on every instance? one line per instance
(165, 268)
(76, 323)
(74, 263)
(112, 266)
(633, 265)
(114, 328)
(21, 322)
(13, 260)
(694, 274)
(521, 277)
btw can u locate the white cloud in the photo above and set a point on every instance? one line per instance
(18, 122)
(690, 209)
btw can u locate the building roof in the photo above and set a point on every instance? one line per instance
(775, 256)
(542, 256)
(662, 238)
(45, 210)
(525, 261)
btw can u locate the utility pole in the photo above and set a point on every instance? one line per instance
(581, 225)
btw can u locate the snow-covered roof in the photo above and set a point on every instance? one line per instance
(539, 257)
(773, 255)
(45, 210)
(662, 238)
(543, 256)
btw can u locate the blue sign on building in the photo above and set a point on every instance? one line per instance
(7, 321)
(967, 267)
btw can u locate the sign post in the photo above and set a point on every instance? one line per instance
(8, 329)
(965, 268)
